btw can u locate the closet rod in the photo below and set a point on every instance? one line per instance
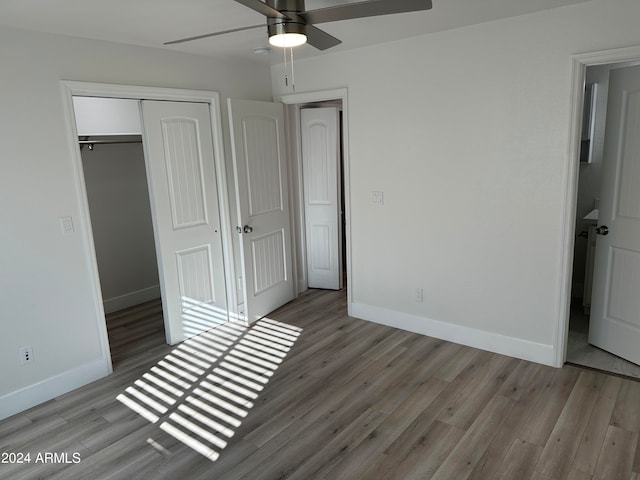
(96, 142)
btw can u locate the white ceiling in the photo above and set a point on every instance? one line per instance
(152, 22)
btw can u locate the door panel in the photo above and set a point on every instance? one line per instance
(263, 205)
(615, 313)
(629, 180)
(185, 172)
(263, 164)
(269, 262)
(182, 181)
(321, 172)
(196, 275)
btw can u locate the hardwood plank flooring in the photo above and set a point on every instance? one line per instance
(310, 393)
(135, 330)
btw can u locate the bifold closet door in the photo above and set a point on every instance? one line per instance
(180, 161)
(320, 139)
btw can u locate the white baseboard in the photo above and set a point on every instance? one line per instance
(130, 299)
(493, 342)
(27, 397)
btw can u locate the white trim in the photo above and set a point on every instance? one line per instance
(579, 64)
(296, 194)
(135, 92)
(130, 299)
(71, 88)
(27, 397)
(605, 57)
(309, 97)
(84, 222)
(298, 233)
(493, 342)
(337, 94)
(224, 207)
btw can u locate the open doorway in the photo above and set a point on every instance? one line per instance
(588, 220)
(294, 104)
(113, 165)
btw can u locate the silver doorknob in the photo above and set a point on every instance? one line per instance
(602, 230)
(247, 229)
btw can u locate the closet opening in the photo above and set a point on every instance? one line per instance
(115, 178)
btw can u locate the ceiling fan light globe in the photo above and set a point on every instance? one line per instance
(288, 40)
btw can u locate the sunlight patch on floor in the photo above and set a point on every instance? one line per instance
(201, 391)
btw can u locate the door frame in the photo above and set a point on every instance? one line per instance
(579, 64)
(83, 225)
(297, 182)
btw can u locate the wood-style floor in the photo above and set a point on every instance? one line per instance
(135, 330)
(313, 394)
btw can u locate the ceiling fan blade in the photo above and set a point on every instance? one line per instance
(263, 8)
(321, 39)
(207, 35)
(371, 8)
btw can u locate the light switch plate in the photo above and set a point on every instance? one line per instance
(377, 198)
(66, 223)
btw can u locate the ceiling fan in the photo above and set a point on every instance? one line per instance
(289, 24)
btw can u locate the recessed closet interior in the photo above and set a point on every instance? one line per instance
(113, 164)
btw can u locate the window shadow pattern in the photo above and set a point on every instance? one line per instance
(201, 391)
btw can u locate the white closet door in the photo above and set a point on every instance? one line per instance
(615, 308)
(262, 188)
(182, 182)
(321, 173)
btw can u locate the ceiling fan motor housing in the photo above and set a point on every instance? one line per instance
(284, 6)
(293, 24)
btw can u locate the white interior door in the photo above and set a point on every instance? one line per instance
(262, 189)
(321, 174)
(184, 197)
(615, 310)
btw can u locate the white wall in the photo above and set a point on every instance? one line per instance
(467, 133)
(118, 195)
(45, 293)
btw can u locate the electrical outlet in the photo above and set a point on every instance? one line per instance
(26, 354)
(419, 294)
